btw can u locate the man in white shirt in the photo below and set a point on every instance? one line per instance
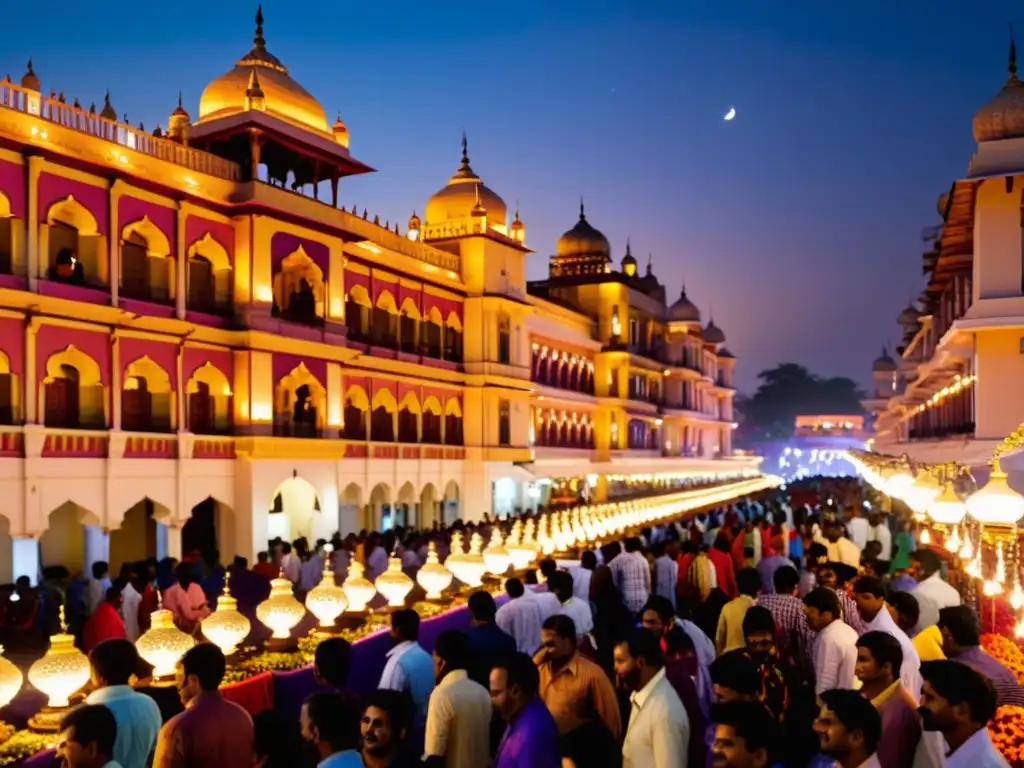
(459, 714)
(959, 703)
(131, 598)
(880, 532)
(520, 617)
(869, 595)
(666, 571)
(581, 576)
(579, 611)
(848, 727)
(632, 576)
(857, 527)
(659, 729)
(835, 652)
(409, 668)
(932, 592)
(290, 563)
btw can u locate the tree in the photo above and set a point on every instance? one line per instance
(789, 390)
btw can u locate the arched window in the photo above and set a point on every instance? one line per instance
(408, 426)
(453, 423)
(542, 366)
(409, 328)
(432, 334)
(209, 278)
(74, 246)
(504, 339)
(356, 406)
(453, 338)
(147, 268)
(73, 391)
(384, 323)
(10, 412)
(357, 314)
(431, 421)
(300, 405)
(299, 290)
(8, 225)
(62, 399)
(382, 425)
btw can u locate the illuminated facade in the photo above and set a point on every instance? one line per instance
(198, 343)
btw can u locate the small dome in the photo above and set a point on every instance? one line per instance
(883, 363)
(713, 334)
(583, 240)
(909, 317)
(684, 310)
(464, 192)
(414, 222)
(340, 131)
(1003, 116)
(628, 262)
(180, 111)
(108, 112)
(725, 354)
(30, 79)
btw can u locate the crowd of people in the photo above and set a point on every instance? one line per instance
(789, 630)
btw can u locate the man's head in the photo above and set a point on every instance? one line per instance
(821, 606)
(333, 662)
(833, 531)
(905, 610)
(558, 639)
(748, 581)
(588, 560)
(560, 583)
(637, 659)
(879, 658)
(87, 736)
(658, 615)
(869, 594)
(100, 569)
(514, 587)
(385, 723)
(745, 735)
(786, 581)
(482, 608)
(200, 670)
(759, 632)
(514, 682)
(959, 627)
(405, 625)
(113, 662)
(547, 567)
(955, 696)
(847, 723)
(451, 652)
(923, 563)
(331, 722)
(735, 677)
(633, 544)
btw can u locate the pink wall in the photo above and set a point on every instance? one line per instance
(12, 184)
(285, 364)
(131, 209)
(54, 338)
(444, 306)
(195, 357)
(196, 228)
(53, 188)
(357, 381)
(164, 354)
(355, 278)
(12, 341)
(283, 244)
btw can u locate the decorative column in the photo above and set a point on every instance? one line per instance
(180, 263)
(25, 558)
(114, 246)
(115, 382)
(97, 546)
(33, 168)
(30, 384)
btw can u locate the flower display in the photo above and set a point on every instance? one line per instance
(24, 744)
(1005, 651)
(1007, 732)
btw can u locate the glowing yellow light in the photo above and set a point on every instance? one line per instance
(433, 577)
(281, 611)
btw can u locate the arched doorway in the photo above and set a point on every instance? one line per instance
(350, 509)
(137, 537)
(451, 502)
(63, 541)
(405, 512)
(377, 512)
(295, 512)
(210, 531)
(428, 506)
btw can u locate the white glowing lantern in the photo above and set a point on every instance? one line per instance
(496, 557)
(433, 577)
(162, 644)
(327, 601)
(946, 508)
(898, 483)
(469, 567)
(357, 588)
(996, 504)
(10, 680)
(394, 584)
(62, 671)
(281, 611)
(226, 627)
(922, 492)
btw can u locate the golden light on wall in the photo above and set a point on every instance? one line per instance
(263, 294)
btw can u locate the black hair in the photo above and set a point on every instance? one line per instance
(452, 647)
(92, 723)
(962, 623)
(406, 622)
(562, 626)
(816, 553)
(785, 580)
(824, 599)
(758, 619)
(206, 662)
(959, 683)
(907, 606)
(114, 660)
(336, 719)
(885, 649)
(856, 713)
(521, 671)
(870, 585)
(547, 566)
(515, 588)
(751, 722)
(677, 641)
(633, 544)
(114, 590)
(398, 705)
(482, 607)
(100, 569)
(262, 557)
(642, 643)
(588, 560)
(560, 582)
(748, 582)
(927, 559)
(240, 562)
(736, 670)
(333, 660)
(661, 606)
(185, 574)
(275, 737)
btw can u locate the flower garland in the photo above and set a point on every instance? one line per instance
(1005, 651)
(24, 744)
(1007, 732)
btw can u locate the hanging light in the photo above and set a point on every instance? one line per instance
(922, 492)
(327, 601)
(521, 551)
(496, 557)
(226, 627)
(997, 504)
(62, 671)
(281, 611)
(394, 584)
(433, 577)
(926, 536)
(10, 679)
(898, 483)
(947, 508)
(468, 567)
(967, 550)
(163, 643)
(357, 588)
(953, 542)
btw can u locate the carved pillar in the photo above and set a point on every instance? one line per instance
(114, 248)
(115, 382)
(30, 383)
(32, 260)
(180, 389)
(180, 263)
(334, 191)
(255, 146)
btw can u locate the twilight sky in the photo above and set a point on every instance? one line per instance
(799, 222)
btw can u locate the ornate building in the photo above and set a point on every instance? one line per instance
(198, 350)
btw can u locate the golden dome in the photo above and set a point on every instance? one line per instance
(30, 79)
(684, 310)
(1003, 116)
(284, 98)
(463, 193)
(583, 240)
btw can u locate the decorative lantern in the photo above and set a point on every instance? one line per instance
(496, 557)
(522, 552)
(394, 584)
(163, 643)
(10, 680)
(997, 504)
(62, 671)
(357, 588)
(468, 567)
(898, 482)
(226, 627)
(922, 492)
(947, 509)
(433, 576)
(327, 600)
(281, 611)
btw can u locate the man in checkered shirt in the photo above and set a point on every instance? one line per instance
(797, 638)
(631, 575)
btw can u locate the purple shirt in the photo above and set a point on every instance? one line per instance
(530, 740)
(1008, 690)
(767, 568)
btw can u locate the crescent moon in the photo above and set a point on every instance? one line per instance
(731, 113)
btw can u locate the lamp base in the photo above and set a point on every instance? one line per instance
(47, 720)
(282, 644)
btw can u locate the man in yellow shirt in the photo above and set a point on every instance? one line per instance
(906, 613)
(729, 635)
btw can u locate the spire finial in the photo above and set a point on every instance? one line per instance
(465, 148)
(30, 71)
(583, 213)
(650, 267)
(258, 41)
(517, 209)
(629, 252)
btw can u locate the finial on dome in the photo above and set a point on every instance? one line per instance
(629, 252)
(583, 213)
(108, 111)
(465, 148)
(650, 258)
(30, 79)
(1012, 63)
(258, 40)
(478, 208)
(179, 101)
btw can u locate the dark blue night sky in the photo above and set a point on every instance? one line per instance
(798, 223)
